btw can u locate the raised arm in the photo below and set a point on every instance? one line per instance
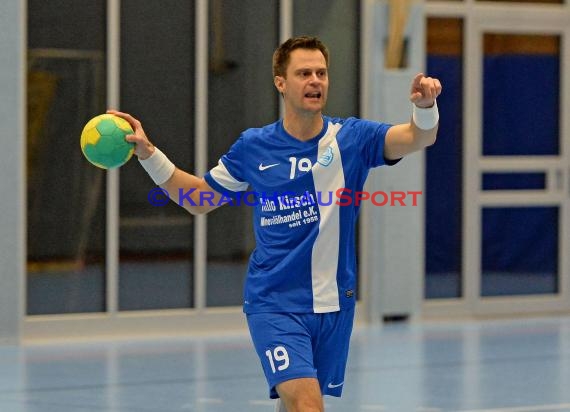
(421, 131)
(191, 192)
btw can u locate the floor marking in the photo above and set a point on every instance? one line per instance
(264, 402)
(209, 400)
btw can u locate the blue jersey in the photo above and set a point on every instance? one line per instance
(304, 259)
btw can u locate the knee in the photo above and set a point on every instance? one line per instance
(301, 395)
(306, 404)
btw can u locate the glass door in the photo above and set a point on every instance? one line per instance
(517, 173)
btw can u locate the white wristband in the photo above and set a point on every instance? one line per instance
(425, 118)
(158, 166)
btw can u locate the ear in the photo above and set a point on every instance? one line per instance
(279, 83)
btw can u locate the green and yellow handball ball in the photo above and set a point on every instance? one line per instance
(103, 141)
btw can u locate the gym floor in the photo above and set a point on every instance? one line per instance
(520, 365)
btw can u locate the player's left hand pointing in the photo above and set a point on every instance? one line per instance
(424, 90)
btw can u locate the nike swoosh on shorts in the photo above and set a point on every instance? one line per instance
(263, 167)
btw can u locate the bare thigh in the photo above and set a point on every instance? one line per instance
(301, 395)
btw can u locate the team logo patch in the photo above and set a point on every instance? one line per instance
(327, 157)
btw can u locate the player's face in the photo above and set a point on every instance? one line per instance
(306, 85)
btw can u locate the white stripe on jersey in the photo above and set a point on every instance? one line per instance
(324, 262)
(224, 178)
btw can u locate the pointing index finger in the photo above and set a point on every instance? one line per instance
(417, 80)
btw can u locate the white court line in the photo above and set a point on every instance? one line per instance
(209, 400)
(535, 408)
(264, 402)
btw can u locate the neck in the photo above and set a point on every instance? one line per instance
(303, 127)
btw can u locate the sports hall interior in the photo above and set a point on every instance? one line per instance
(112, 302)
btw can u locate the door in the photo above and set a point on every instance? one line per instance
(516, 193)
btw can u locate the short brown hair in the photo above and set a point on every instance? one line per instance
(281, 55)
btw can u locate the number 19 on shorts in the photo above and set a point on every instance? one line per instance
(278, 357)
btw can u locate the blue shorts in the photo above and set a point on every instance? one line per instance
(303, 345)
